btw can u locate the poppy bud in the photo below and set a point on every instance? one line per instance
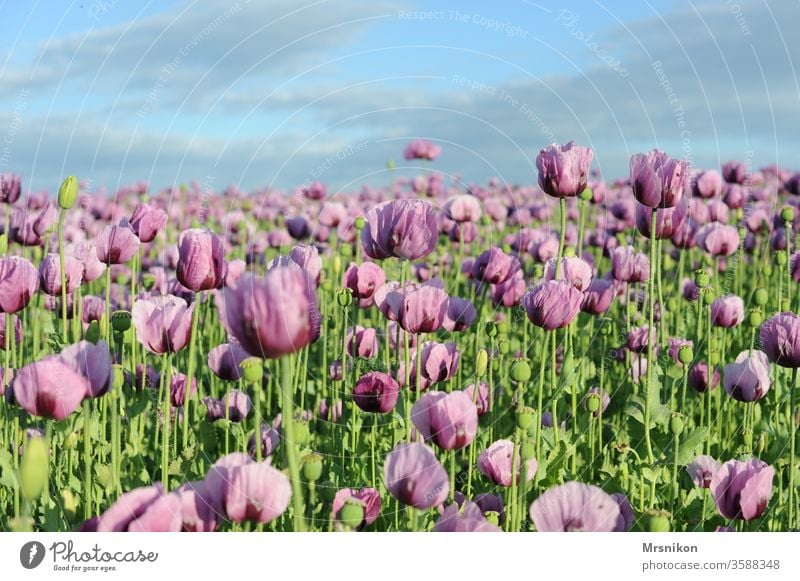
(34, 469)
(71, 441)
(761, 444)
(491, 329)
(780, 258)
(658, 521)
(676, 423)
(593, 403)
(344, 297)
(346, 251)
(337, 264)
(69, 503)
(747, 438)
(121, 321)
(68, 193)
(520, 371)
(390, 164)
(672, 304)
(252, 369)
(359, 223)
(787, 213)
(93, 332)
(481, 362)
(766, 269)
(586, 195)
(312, 467)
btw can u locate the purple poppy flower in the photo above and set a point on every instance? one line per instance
(564, 169)
(629, 266)
(463, 208)
(450, 420)
(86, 252)
(780, 336)
(439, 362)
(698, 377)
(50, 273)
(270, 438)
(495, 266)
(414, 476)
(747, 379)
(163, 324)
(147, 221)
(658, 181)
(237, 403)
(626, 516)
(19, 281)
(707, 184)
(481, 399)
(702, 470)
(598, 296)
(742, 489)
(307, 257)
(423, 310)
(10, 188)
(274, 315)
(467, 518)
(734, 172)
(575, 507)
(199, 513)
(573, 270)
(553, 304)
(422, 149)
(129, 507)
(495, 463)
(376, 392)
(361, 342)
(226, 360)
(369, 498)
(460, 314)
(718, 239)
(201, 260)
(400, 228)
(116, 244)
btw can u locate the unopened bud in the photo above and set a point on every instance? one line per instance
(68, 193)
(34, 469)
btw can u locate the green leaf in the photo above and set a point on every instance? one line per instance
(687, 449)
(8, 477)
(675, 372)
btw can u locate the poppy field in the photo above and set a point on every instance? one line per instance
(569, 354)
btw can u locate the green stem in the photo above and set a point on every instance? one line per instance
(650, 341)
(290, 444)
(61, 261)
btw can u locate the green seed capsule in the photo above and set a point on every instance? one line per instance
(34, 469)
(521, 371)
(593, 403)
(586, 195)
(344, 297)
(491, 329)
(780, 258)
(701, 279)
(326, 285)
(766, 268)
(300, 433)
(525, 418)
(359, 223)
(312, 467)
(685, 354)
(352, 514)
(252, 369)
(787, 213)
(121, 321)
(658, 521)
(504, 347)
(493, 517)
(569, 252)
(755, 318)
(708, 296)
(714, 358)
(761, 297)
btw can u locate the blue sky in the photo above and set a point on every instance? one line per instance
(282, 92)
